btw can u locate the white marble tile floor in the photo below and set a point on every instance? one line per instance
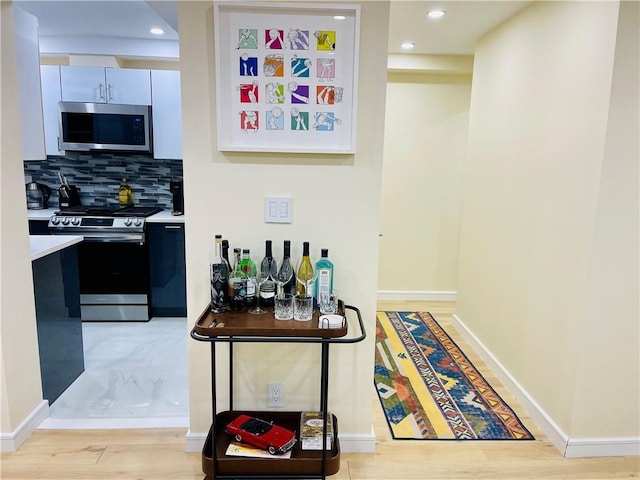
(135, 377)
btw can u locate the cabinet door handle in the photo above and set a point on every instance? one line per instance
(100, 86)
(109, 87)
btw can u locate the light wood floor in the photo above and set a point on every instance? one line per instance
(158, 454)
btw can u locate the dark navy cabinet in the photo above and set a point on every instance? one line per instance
(39, 227)
(167, 272)
(57, 298)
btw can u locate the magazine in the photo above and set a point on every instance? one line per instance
(237, 449)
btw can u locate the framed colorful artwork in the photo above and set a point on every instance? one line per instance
(286, 76)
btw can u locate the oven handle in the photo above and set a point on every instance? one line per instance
(114, 238)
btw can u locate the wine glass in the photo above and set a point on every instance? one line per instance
(308, 283)
(282, 278)
(260, 279)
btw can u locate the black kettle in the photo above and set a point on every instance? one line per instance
(37, 195)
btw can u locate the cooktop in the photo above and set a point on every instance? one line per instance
(108, 211)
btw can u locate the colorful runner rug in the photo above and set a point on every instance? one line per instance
(429, 389)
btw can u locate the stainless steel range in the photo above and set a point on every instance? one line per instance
(113, 260)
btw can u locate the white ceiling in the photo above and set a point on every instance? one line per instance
(83, 25)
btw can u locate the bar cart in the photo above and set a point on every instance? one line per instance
(231, 328)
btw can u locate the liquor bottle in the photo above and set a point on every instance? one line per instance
(286, 272)
(218, 278)
(237, 285)
(305, 273)
(268, 271)
(324, 281)
(125, 193)
(225, 254)
(249, 268)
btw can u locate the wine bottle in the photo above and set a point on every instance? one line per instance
(249, 268)
(286, 273)
(268, 271)
(324, 281)
(305, 273)
(218, 278)
(237, 285)
(225, 254)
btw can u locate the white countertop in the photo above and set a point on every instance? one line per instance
(164, 216)
(43, 245)
(43, 214)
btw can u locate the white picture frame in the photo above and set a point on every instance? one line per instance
(286, 77)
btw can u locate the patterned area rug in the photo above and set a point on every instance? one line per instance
(429, 389)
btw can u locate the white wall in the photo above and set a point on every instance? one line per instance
(20, 368)
(424, 152)
(224, 193)
(550, 206)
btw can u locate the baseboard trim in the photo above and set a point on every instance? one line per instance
(10, 442)
(568, 447)
(425, 295)
(349, 443)
(194, 442)
(602, 447)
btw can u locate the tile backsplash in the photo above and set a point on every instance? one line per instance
(98, 177)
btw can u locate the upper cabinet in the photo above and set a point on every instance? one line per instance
(105, 85)
(158, 88)
(28, 72)
(51, 95)
(167, 114)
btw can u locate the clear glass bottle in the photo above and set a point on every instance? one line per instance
(268, 272)
(305, 274)
(249, 268)
(324, 280)
(286, 274)
(219, 278)
(237, 285)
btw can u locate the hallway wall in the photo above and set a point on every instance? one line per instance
(550, 207)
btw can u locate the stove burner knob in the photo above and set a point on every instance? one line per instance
(75, 221)
(137, 222)
(65, 221)
(55, 220)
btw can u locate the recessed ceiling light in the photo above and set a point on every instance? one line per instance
(339, 17)
(436, 14)
(156, 31)
(407, 45)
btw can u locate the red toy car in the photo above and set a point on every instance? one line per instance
(261, 434)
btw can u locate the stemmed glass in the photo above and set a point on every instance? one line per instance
(260, 279)
(282, 277)
(308, 284)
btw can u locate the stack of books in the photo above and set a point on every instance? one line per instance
(311, 431)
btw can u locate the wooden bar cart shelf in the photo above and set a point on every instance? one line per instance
(231, 328)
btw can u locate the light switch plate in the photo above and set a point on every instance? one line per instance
(278, 209)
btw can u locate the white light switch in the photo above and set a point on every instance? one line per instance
(278, 209)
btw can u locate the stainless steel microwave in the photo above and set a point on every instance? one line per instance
(105, 126)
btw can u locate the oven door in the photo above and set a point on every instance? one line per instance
(114, 281)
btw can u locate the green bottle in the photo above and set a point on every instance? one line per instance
(248, 266)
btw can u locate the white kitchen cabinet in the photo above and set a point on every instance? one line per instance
(167, 114)
(28, 73)
(51, 95)
(105, 85)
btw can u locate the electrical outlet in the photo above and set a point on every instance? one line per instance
(275, 395)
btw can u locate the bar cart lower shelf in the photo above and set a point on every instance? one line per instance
(302, 462)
